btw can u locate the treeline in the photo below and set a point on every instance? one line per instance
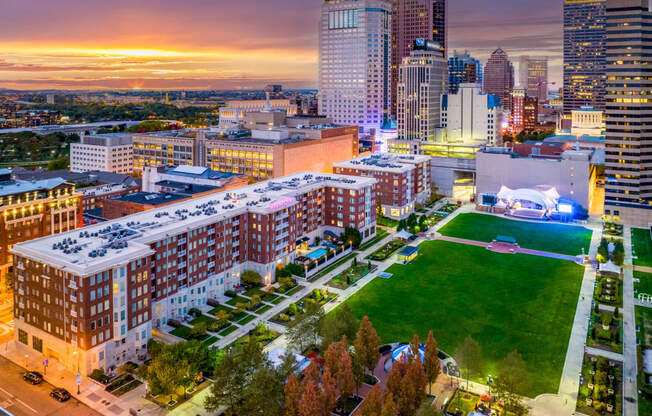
(28, 146)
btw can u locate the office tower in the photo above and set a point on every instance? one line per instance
(533, 76)
(422, 79)
(415, 19)
(440, 23)
(523, 114)
(103, 152)
(472, 116)
(355, 62)
(584, 54)
(628, 190)
(499, 77)
(463, 69)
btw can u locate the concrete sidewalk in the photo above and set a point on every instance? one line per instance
(630, 368)
(91, 394)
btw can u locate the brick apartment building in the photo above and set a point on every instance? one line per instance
(90, 298)
(403, 180)
(32, 209)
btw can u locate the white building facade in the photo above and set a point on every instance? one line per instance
(105, 152)
(472, 116)
(421, 84)
(354, 62)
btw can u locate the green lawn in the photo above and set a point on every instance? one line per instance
(216, 309)
(644, 284)
(202, 318)
(263, 309)
(228, 330)
(504, 301)
(238, 299)
(642, 247)
(556, 238)
(246, 320)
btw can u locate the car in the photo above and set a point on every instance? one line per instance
(33, 377)
(60, 395)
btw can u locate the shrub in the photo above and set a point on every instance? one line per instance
(194, 312)
(98, 375)
(616, 312)
(598, 406)
(606, 319)
(604, 334)
(294, 269)
(198, 331)
(284, 318)
(213, 302)
(230, 293)
(216, 326)
(251, 278)
(602, 364)
(601, 378)
(292, 309)
(174, 323)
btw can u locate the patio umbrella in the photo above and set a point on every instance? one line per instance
(485, 397)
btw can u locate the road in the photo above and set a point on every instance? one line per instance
(22, 399)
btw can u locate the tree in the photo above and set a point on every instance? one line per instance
(415, 377)
(303, 331)
(373, 403)
(311, 401)
(340, 323)
(293, 393)
(511, 383)
(312, 372)
(251, 278)
(62, 162)
(469, 357)
(366, 345)
(228, 387)
(329, 386)
(415, 345)
(427, 409)
(353, 236)
(265, 392)
(395, 378)
(164, 374)
(431, 363)
(332, 357)
(198, 331)
(344, 377)
(389, 408)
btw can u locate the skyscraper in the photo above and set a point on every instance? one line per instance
(499, 77)
(415, 19)
(422, 79)
(354, 62)
(533, 76)
(584, 54)
(523, 113)
(463, 69)
(628, 190)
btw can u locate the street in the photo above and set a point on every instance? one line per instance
(23, 399)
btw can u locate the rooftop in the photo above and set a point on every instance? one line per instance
(149, 198)
(100, 246)
(198, 172)
(387, 162)
(14, 187)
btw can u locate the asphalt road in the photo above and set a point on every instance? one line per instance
(23, 399)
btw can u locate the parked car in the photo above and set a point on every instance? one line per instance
(33, 377)
(60, 395)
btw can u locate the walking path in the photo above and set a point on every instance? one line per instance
(630, 369)
(613, 356)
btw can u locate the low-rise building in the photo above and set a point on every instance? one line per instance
(170, 179)
(103, 152)
(172, 148)
(234, 112)
(402, 180)
(32, 209)
(105, 287)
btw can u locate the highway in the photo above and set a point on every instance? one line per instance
(23, 399)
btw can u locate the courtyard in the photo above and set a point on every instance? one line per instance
(554, 238)
(504, 301)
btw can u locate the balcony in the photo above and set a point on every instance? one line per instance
(211, 253)
(182, 240)
(20, 266)
(21, 292)
(73, 313)
(21, 305)
(73, 285)
(211, 242)
(236, 233)
(73, 299)
(211, 231)
(236, 254)
(182, 253)
(282, 236)
(236, 243)
(282, 216)
(236, 223)
(21, 278)
(73, 328)
(182, 276)
(182, 264)
(211, 264)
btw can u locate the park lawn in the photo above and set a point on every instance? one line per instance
(642, 247)
(238, 299)
(644, 285)
(263, 309)
(228, 330)
(202, 318)
(555, 238)
(504, 301)
(246, 320)
(216, 309)
(210, 340)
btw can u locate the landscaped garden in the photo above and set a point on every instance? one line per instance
(386, 222)
(612, 229)
(641, 247)
(556, 238)
(644, 338)
(387, 250)
(605, 331)
(601, 387)
(505, 302)
(320, 296)
(351, 275)
(608, 290)
(263, 335)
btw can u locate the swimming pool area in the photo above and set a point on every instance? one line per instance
(316, 254)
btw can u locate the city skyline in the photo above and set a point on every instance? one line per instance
(208, 45)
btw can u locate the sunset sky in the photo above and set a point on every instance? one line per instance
(213, 44)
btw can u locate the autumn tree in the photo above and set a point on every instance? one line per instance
(311, 403)
(293, 394)
(389, 407)
(431, 363)
(373, 403)
(415, 346)
(366, 345)
(344, 378)
(416, 378)
(312, 372)
(329, 387)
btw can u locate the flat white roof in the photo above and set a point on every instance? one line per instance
(100, 246)
(384, 162)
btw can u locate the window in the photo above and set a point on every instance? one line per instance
(37, 343)
(22, 336)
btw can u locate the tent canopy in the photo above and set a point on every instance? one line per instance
(547, 199)
(402, 352)
(609, 267)
(403, 235)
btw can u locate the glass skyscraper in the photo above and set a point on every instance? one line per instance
(584, 54)
(463, 69)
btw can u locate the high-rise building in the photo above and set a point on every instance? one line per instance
(499, 77)
(415, 19)
(463, 69)
(584, 54)
(105, 152)
(355, 62)
(524, 112)
(533, 76)
(472, 116)
(422, 79)
(628, 190)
